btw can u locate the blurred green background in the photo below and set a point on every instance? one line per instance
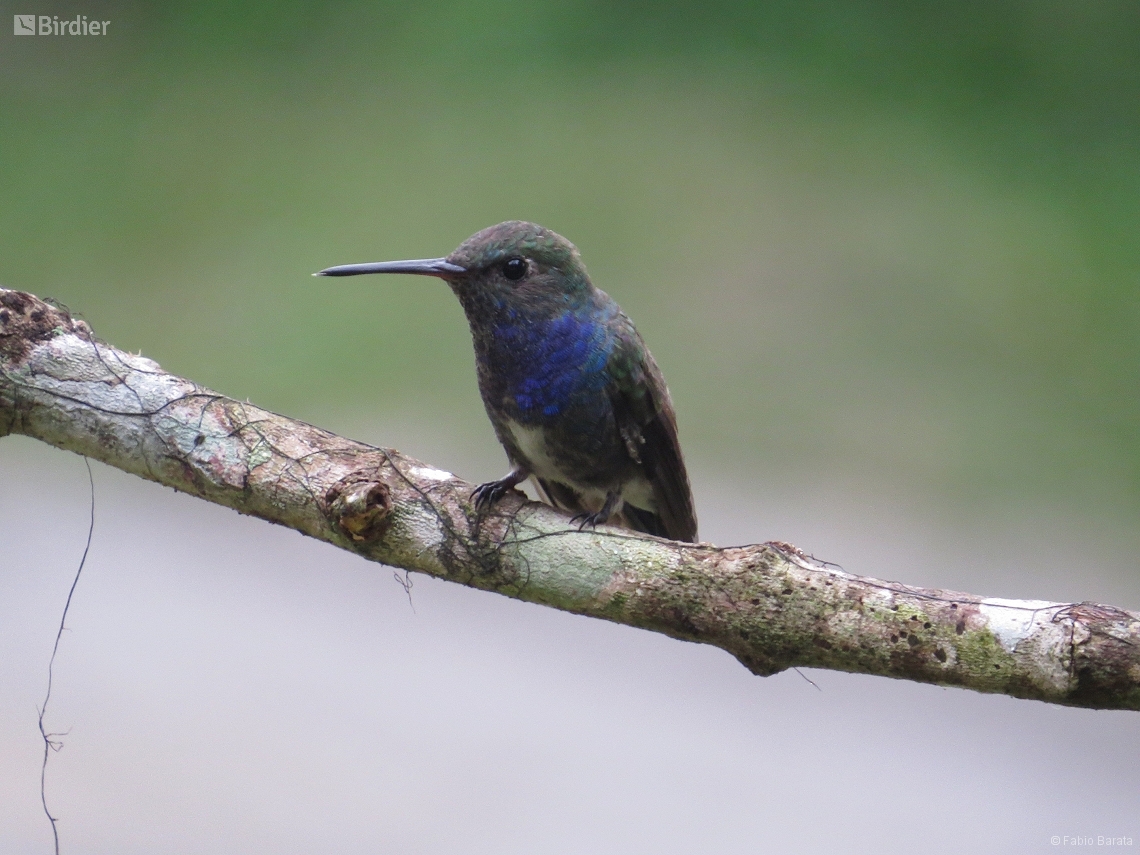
(898, 240)
(887, 255)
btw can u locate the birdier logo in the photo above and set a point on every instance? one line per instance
(51, 25)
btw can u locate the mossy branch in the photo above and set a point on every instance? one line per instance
(769, 605)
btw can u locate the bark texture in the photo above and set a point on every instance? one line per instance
(769, 605)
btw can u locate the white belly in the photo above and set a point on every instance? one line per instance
(531, 441)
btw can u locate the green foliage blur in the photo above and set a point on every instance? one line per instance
(894, 241)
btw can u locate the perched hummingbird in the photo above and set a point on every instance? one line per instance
(573, 393)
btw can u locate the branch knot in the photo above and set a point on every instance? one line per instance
(358, 507)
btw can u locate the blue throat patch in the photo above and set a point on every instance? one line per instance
(551, 363)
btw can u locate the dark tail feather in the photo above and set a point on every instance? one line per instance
(645, 521)
(560, 496)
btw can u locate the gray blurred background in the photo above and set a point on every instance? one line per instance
(888, 257)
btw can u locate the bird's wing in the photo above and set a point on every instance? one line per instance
(645, 418)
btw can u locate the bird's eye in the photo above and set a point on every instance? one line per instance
(514, 268)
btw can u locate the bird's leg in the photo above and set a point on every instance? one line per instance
(487, 494)
(613, 499)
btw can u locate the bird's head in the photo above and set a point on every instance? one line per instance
(512, 264)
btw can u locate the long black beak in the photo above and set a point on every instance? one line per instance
(423, 266)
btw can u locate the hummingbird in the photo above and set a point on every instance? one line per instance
(575, 397)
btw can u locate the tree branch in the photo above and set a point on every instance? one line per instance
(769, 605)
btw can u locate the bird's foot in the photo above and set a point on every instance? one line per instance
(487, 494)
(599, 517)
(589, 519)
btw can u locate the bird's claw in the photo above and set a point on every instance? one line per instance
(600, 516)
(593, 520)
(487, 494)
